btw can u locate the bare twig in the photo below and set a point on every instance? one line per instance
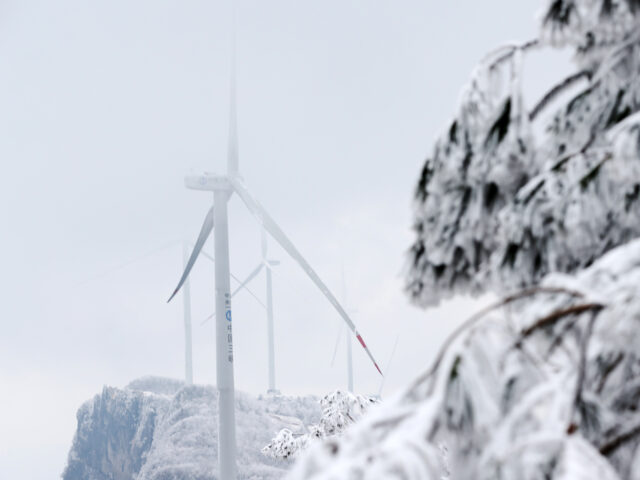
(557, 90)
(553, 317)
(593, 173)
(568, 157)
(624, 394)
(478, 316)
(611, 60)
(556, 315)
(610, 368)
(558, 339)
(619, 440)
(511, 50)
(582, 369)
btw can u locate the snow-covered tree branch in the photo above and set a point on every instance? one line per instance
(497, 206)
(543, 384)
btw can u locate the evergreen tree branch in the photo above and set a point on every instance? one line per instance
(558, 315)
(619, 440)
(582, 369)
(559, 338)
(512, 49)
(610, 368)
(614, 57)
(568, 157)
(479, 316)
(557, 90)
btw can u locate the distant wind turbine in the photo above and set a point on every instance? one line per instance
(186, 302)
(393, 352)
(270, 326)
(348, 339)
(223, 187)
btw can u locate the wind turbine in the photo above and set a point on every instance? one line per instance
(186, 303)
(186, 300)
(269, 264)
(348, 340)
(223, 187)
(393, 352)
(270, 327)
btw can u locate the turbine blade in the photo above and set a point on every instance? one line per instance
(335, 349)
(127, 263)
(251, 276)
(205, 231)
(213, 260)
(264, 245)
(274, 230)
(393, 352)
(210, 317)
(243, 285)
(208, 256)
(232, 152)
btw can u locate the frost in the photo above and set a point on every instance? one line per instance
(542, 384)
(339, 411)
(500, 204)
(157, 429)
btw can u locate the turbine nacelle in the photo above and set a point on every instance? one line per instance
(208, 182)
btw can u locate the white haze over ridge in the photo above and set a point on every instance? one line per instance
(103, 109)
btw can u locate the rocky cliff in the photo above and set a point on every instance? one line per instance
(160, 429)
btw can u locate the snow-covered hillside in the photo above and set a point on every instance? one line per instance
(160, 429)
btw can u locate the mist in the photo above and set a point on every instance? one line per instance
(106, 106)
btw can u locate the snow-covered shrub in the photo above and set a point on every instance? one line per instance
(286, 444)
(339, 410)
(545, 383)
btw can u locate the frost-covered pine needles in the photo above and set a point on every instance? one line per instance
(501, 201)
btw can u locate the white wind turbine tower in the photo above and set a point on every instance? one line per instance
(348, 339)
(269, 264)
(186, 302)
(223, 187)
(270, 327)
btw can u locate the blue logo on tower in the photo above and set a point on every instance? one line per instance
(228, 315)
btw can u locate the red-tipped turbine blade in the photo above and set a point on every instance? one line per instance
(274, 230)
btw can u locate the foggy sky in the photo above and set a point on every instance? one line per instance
(105, 106)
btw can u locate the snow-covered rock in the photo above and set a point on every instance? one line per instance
(160, 429)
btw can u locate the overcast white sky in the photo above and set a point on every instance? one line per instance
(106, 105)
